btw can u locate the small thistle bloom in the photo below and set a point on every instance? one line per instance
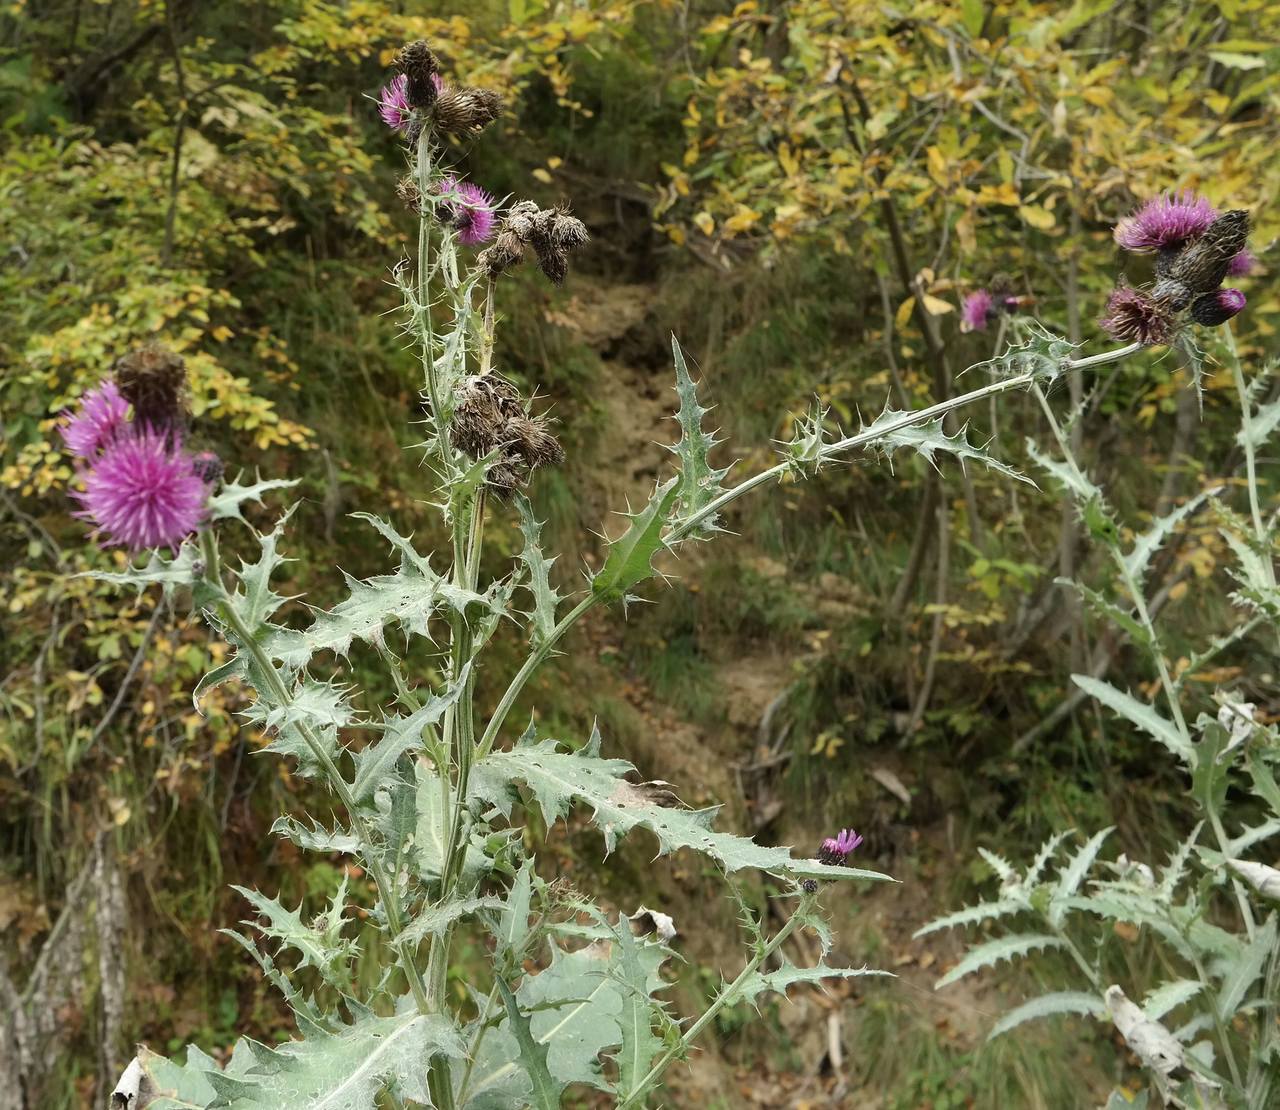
(977, 310)
(1242, 264)
(1165, 221)
(393, 103)
(1212, 309)
(836, 849)
(144, 491)
(1133, 316)
(99, 420)
(470, 211)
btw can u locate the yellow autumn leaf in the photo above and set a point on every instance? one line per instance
(555, 163)
(903, 314)
(936, 306)
(787, 159)
(742, 220)
(542, 175)
(704, 223)
(1037, 216)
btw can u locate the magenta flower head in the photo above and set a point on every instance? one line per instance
(977, 311)
(836, 849)
(101, 415)
(469, 210)
(1133, 316)
(1242, 264)
(143, 491)
(1212, 309)
(393, 103)
(1165, 221)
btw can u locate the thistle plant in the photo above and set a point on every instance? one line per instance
(429, 791)
(1205, 1032)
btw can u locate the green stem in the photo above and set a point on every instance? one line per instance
(681, 1047)
(248, 642)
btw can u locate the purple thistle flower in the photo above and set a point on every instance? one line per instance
(1165, 221)
(1242, 264)
(1212, 309)
(101, 416)
(470, 210)
(393, 103)
(977, 310)
(143, 491)
(1132, 315)
(836, 849)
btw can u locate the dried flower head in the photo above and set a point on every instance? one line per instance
(421, 72)
(154, 380)
(977, 311)
(1202, 264)
(1133, 316)
(100, 418)
(1165, 221)
(489, 416)
(530, 439)
(507, 251)
(409, 194)
(836, 849)
(466, 111)
(1217, 307)
(469, 210)
(143, 491)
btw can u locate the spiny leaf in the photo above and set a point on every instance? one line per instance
(1260, 426)
(639, 1045)
(928, 439)
(513, 925)
(971, 915)
(1169, 996)
(630, 558)
(159, 569)
(433, 920)
(993, 951)
(1240, 973)
(410, 597)
(1075, 482)
(319, 945)
(545, 1091)
(545, 597)
(1109, 610)
(1149, 542)
(375, 765)
(557, 778)
(1047, 849)
(1138, 713)
(1070, 878)
(777, 981)
(1048, 1005)
(699, 482)
(316, 838)
(229, 501)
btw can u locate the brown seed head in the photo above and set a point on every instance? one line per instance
(154, 381)
(567, 231)
(530, 438)
(417, 62)
(1202, 264)
(467, 111)
(409, 193)
(507, 251)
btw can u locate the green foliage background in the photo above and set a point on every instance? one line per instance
(802, 192)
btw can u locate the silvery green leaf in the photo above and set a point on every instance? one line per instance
(513, 924)
(544, 1090)
(1260, 427)
(1004, 870)
(319, 944)
(1039, 352)
(542, 621)
(432, 804)
(344, 1070)
(1050, 1005)
(1169, 996)
(1251, 836)
(1043, 856)
(629, 560)
(1070, 877)
(229, 500)
(375, 765)
(1147, 544)
(1141, 714)
(777, 981)
(306, 726)
(993, 951)
(700, 483)
(928, 439)
(433, 920)
(1238, 974)
(1172, 873)
(409, 598)
(316, 838)
(559, 778)
(971, 915)
(1076, 482)
(307, 1014)
(1109, 610)
(168, 572)
(637, 980)
(161, 1084)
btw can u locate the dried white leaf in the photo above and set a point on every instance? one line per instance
(1265, 880)
(1150, 1041)
(892, 783)
(649, 921)
(134, 1090)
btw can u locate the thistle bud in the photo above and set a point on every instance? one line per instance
(1201, 266)
(419, 66)
(409, 194)
(1212, 309)
(207, 467)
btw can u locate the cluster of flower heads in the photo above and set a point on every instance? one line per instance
(983, 306)
(551, 233)
(489, 416)
(419, 96)
(142, 487)
(1196, 249)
